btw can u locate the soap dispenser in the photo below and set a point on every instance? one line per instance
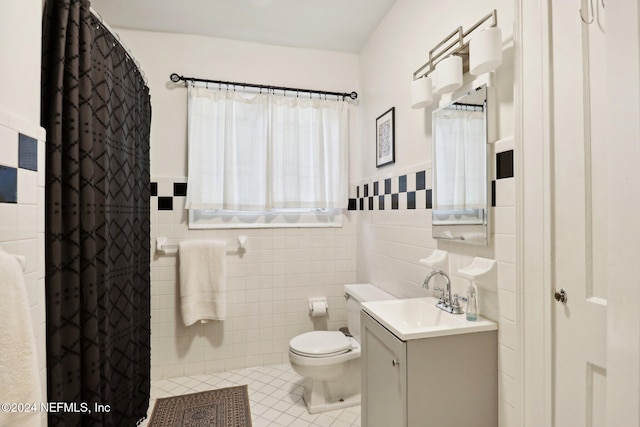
(472, 303)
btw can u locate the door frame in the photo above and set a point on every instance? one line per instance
(533, 91)
(623, 275)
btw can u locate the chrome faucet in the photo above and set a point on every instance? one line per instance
(446, 302)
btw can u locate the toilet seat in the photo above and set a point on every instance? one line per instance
(320, 344)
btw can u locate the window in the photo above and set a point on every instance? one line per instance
(265, 160)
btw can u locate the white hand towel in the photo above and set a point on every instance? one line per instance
(203, 280)
(19, 373)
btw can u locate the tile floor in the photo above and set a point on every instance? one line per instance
(275, 393)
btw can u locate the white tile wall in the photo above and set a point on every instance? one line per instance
(22, 227)
(390, 243)
(268, 288)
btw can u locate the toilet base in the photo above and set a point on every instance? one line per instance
(327, 395)
(315, 400)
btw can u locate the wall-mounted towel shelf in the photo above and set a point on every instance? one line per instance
(164, 247)
(481, 271)
(438, 260)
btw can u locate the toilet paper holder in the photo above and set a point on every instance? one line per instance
(318, 306)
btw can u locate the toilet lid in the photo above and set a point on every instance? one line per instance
(320, 344)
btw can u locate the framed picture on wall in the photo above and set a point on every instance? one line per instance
(385, 144)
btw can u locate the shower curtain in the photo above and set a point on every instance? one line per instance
(96, 111)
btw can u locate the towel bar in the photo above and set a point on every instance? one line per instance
(164, 248)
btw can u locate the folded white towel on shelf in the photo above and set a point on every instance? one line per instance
(203, 280)
(19, 373)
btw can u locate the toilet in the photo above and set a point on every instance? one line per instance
(330, 360)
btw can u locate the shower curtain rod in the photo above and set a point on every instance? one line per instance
(117, 37)
(461, 104)
(176, 78)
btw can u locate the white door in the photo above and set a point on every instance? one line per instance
(579, 230)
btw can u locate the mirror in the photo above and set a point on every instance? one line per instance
(459, 170)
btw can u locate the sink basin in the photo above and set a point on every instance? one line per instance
(416, 318)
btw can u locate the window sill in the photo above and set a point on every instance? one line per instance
(199, 219)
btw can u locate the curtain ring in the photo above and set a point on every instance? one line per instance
(592, 16)
(101, 20)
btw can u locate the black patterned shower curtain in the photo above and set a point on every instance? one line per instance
(97, 114)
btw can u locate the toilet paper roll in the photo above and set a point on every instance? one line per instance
(318, 309)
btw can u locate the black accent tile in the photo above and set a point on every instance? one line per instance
(366, 190)
(387, 186)
(153, 188)
(376, 190)
(381, 202)
(411, 200)
(421, 180)
(27, 152)
(493, 193)
(8, 185)
(358, 192)
(370, 203)
(402, 183)
(504, 164)
(429, 199)
(394, 201)
(352, 205)
(165, 203)
(361, 204)
(179, 188)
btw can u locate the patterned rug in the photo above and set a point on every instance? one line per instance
(225, 407)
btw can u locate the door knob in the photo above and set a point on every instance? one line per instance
(395, 362)
(561, 296)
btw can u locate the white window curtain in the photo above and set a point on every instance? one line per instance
(260, 152)
(459, 180)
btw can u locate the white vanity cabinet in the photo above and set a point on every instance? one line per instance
(429, 382)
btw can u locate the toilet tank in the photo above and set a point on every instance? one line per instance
(357, 294)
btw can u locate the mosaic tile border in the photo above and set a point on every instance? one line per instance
(408, 191)
(403, 192)
(26, 148)
(166, 201)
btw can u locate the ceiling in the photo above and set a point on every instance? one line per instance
(336, 25)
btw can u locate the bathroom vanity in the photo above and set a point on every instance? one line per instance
(434, 372)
